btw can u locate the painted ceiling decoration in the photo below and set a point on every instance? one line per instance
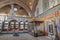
(27, 6)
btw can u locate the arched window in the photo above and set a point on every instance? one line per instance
(21, 25)
(52, 3)
(26, 25)
(37, 12)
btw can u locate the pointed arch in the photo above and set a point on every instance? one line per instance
(18, 3)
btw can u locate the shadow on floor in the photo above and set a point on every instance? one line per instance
(57, 38)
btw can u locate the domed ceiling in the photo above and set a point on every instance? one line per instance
(20, 10)
(24, 7)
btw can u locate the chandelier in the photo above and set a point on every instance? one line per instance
(12, 13)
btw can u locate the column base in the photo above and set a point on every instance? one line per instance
(35, 34)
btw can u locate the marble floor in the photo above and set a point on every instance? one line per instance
(24, 36)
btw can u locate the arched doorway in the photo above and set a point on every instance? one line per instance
(23, 27)
(13, 26)
(5, 26)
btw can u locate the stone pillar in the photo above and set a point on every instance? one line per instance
(28, 28)
(35, 30)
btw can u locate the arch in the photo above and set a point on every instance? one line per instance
(13, 24)
(34, 6)
(12, 21)
(18, 3)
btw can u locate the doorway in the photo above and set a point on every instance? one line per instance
(13, 26)
(51, 31)
(16, 26)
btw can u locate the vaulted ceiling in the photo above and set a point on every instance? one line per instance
(28, 6)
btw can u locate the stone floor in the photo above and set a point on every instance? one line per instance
(21, 37)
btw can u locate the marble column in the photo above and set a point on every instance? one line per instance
(35, 30)
(28, 28)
